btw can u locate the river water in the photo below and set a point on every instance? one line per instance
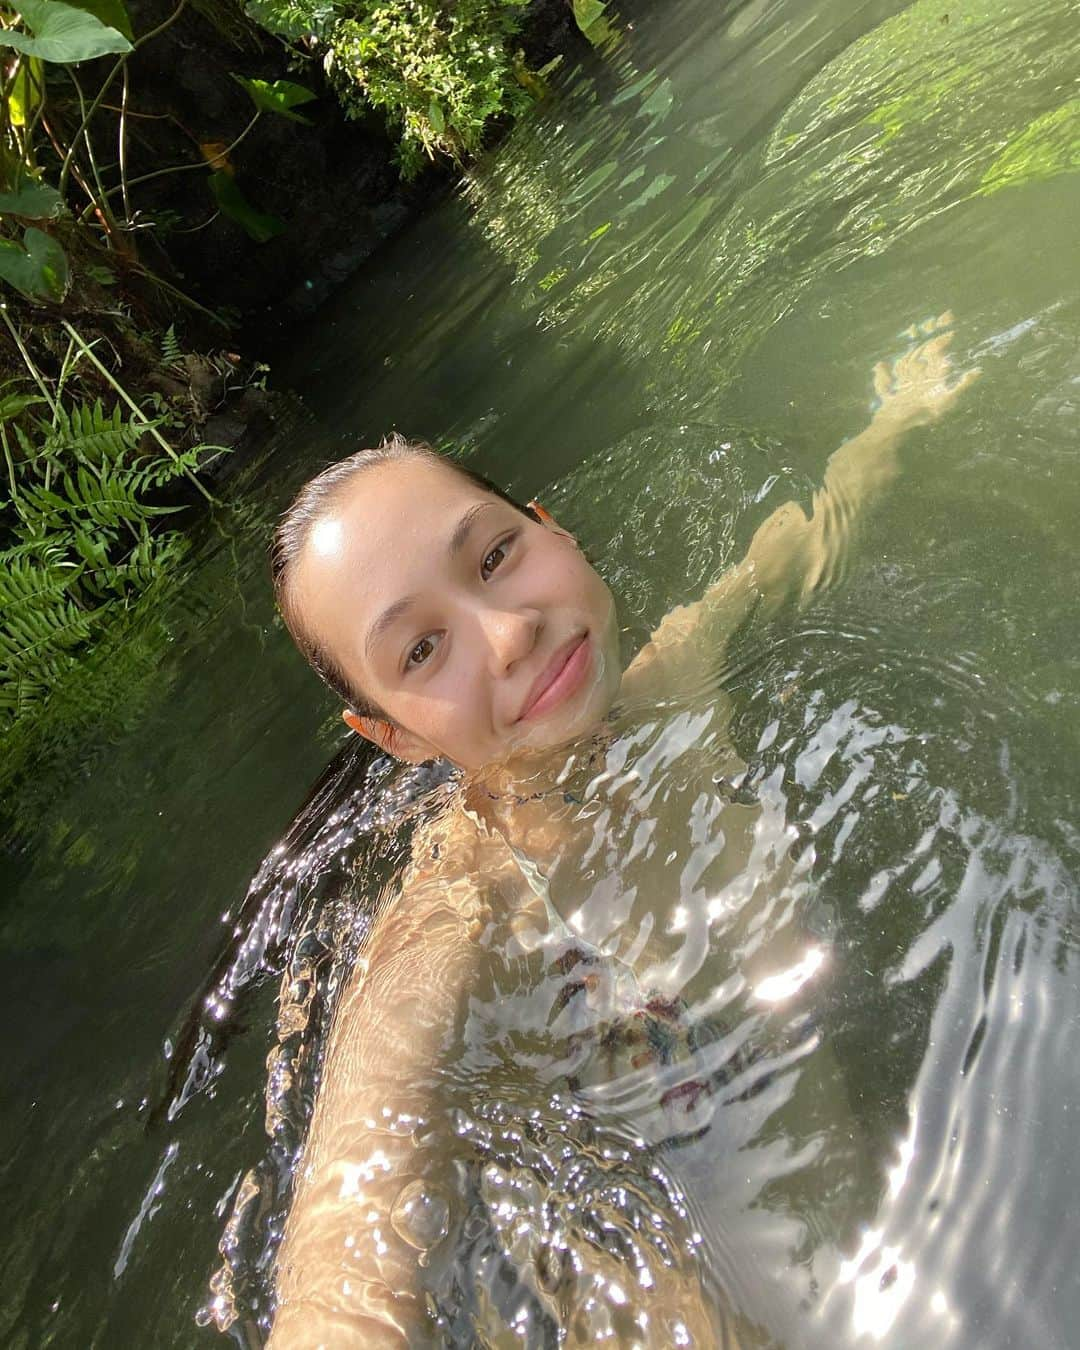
(658, 306)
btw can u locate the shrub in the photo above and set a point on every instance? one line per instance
(438, 69)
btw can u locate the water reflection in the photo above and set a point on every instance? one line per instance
(687, 269)
(794, 1031)
(750, 982)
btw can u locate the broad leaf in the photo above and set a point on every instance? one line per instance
(35, 201)
(112, 13)
(278, 96)
(232, 203)
(38, 267)
(436, 118)
(25, 92)
(591, 18)
(62, 33)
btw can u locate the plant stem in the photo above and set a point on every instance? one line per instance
(28, 361)
(93, 205)
(65, 168)
(122, 137)
(150, 427)
(165, 23)
(106, 215)
(185, 168)
(10, 463)
(182, 296)
(38, 113)
(65, 370)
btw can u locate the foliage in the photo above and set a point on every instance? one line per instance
(231, 202)
(439, 70)
(78, 535)
(38, 266)
(294, 19)
(278, 96)
(60, 32)
(592, 18)
(115, 684)
(85, 523)
(58, 143)
(33, 201)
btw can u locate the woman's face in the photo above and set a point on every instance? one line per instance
(478, 632)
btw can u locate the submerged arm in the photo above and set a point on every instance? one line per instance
(345, 1274)
(793, 554)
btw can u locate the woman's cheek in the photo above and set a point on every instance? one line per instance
(450, 705)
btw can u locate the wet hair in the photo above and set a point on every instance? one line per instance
(311, 504)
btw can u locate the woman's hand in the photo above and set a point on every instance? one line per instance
(915, 389)
(792, 554)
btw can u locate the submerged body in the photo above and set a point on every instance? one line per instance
(555, 859)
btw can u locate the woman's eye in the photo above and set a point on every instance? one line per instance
(495, 558)
(421, 652)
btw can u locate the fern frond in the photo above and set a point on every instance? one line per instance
(171, 351)
(80, 535)
(11, 405)
(108, 500)
(156, 473)
(25, 584)
(45, 549)
(93, 436)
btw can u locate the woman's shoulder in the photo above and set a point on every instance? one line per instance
(649, 674)
(454, 846)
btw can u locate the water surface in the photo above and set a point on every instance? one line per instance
(658, 305)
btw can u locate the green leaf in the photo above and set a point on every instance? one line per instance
(26, 92)
(292, 18)
(11, 405)
(278, 96)
(436, 118)
(593, 21)
(38, 267)
(112, 13)
(36, 201)
(232, 203)
(62, 33)
(104, 276)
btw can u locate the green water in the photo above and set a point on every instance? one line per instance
(657, 306)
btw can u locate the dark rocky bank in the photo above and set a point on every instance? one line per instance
(334, 183)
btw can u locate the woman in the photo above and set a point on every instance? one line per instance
(456, 624)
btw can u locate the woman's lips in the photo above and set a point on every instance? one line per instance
(562, 677)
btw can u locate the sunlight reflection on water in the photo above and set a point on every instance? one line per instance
(792, 1039)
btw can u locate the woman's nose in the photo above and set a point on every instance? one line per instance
(510, 635)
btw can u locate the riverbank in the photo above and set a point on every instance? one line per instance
(173, 200)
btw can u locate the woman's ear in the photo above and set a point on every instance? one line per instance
(389, 738)
(546, 518)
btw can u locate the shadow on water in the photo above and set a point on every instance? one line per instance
(849, 843)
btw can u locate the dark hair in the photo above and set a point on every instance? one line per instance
(312, 502)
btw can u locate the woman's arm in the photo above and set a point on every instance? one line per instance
(793, 555)
(345, 1276)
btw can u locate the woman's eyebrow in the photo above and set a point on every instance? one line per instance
(460, 537)
(458, 540)
(386, 620)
